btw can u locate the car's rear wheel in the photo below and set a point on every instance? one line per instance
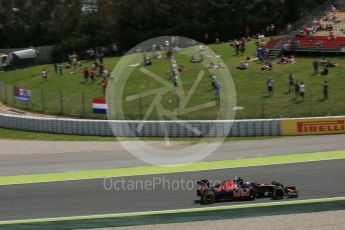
(278, 193)
(208, 198)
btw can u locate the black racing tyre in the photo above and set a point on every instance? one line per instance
(252, 195)
(208, 198)
(278, 193)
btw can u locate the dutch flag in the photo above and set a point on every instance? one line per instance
(99, 106)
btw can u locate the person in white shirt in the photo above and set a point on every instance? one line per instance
(44, 74)
(301, 89)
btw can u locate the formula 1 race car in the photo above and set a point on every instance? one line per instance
(237, 189)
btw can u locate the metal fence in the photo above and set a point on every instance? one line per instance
(258, 105)
(58, 102)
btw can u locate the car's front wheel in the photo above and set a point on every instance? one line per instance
(252, 195)
(278, 193)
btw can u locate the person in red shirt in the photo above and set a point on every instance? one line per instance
(92, 75)
(86, 74)
(104, 84)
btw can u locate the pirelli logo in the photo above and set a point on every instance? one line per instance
(321, 126)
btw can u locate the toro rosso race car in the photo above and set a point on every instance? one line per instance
(237, 189)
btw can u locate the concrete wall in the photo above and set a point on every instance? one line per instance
(146, 129)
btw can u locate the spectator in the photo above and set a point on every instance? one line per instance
(283, 60)
(272, 30)
(115, 49)
(242, 46)
(297, 88)
(214, 81)
(158, 55)
(92, 73)
(101, 68)
(181, 68)
(325, 90)
(237, 47)
(267, 66)
(169, 54)
(219, 65)
(261, 53)
(291, 81)
(105, 72)
(86, 74)
(193, 59)
(301, 89)
(243, 65)
(212, 65)
(60, 68)
(44, 74)
(325, 71)
(292, 60)
(175, 78)
(100, 57)
(270, 83)
(217, 89)
(315, 67)
(104, 84)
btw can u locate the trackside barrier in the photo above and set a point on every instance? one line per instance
(313, 126)
(142, 128)
(218, 128)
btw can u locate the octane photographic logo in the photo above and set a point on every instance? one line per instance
(152, 184)
(163, 98)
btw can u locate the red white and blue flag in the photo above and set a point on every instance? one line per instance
(22, 94)
(99, 106)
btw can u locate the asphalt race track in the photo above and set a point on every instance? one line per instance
(88, 197)
(18, 157)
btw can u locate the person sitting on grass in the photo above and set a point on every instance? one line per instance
(212, 65)
(147, 62)
(220, 65)
(243, 65)
(267, 66)
(181, 68)
(292, 60)
(193, 59)
(283, 60)
(158, 55)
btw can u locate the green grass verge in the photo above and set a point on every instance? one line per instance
(147, 170)
(197, 212)
(249, 85)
